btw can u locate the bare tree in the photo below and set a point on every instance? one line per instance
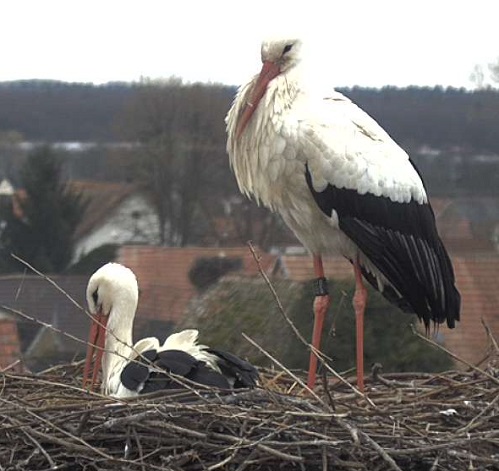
(168, 122)
(181, 161)
(477, 76)
(494, 71)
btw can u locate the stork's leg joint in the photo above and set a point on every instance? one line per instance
(321, 287)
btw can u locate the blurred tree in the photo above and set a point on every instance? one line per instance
(39, 224)
(11, 154)
(246, 305)
(477, 76)
(207, 270)
(167, 163)
(181, 161)
(494, 71)
(388, 338)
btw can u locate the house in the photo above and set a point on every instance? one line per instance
(116, 214)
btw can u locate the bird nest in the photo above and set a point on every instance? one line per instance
(404, 422)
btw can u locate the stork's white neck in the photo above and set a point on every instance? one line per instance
(251, 154)
(118, 346)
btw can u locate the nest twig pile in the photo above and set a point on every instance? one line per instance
(406, 422)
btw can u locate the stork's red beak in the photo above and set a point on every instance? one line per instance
(96, 343)
(269, 71)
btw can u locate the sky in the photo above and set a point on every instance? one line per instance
(351, 42)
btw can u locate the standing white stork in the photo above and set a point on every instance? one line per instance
(112, 296)
(344, 187)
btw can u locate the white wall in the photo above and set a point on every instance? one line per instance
(132, 222)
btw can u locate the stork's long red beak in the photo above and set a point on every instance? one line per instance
(96, 343)
(268, 72)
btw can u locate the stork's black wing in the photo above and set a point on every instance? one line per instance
(153, 372)
(242, 373)
(402, 242)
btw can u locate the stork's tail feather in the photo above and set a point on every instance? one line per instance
(426, 289)
(242, 373)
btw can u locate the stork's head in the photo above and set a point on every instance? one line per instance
(284, 53)
(112, 297)
(111, 285)
(279, 56)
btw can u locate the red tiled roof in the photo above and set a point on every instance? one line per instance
(478, 283)
(301, 267)
(102, 198)
(163, 275)
(10, 348)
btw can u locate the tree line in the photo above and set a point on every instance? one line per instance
(52, 111)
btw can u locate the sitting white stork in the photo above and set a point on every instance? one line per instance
(129, 370)
(343, 186)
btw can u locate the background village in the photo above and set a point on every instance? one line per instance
(138, 173)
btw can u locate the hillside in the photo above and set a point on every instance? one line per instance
(57, 111)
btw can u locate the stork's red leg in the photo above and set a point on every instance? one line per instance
(359, 304)
(321, 305)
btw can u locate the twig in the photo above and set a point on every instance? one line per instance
(453, 355)
(47, 278)
(316, 352)
(381, 451)
(490, 336)
(280, 365)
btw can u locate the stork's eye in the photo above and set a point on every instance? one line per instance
(95, 297)
(287, 48)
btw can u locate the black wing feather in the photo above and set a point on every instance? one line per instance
(401, 240)
(154, 373)
(241, 372)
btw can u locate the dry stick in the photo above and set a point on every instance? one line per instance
(180, 380)
(222, 463)
(434, 466)
(246, 442)
(381, 451)
(280, 365)
(53, 383)
(453, 355)
(68, 434)
(139, 446)
(490, 335)
(11, 366)
(316, 352)
(52, 282)
(70, 298)
(39, 446)
(43, 324)
(470, 425)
